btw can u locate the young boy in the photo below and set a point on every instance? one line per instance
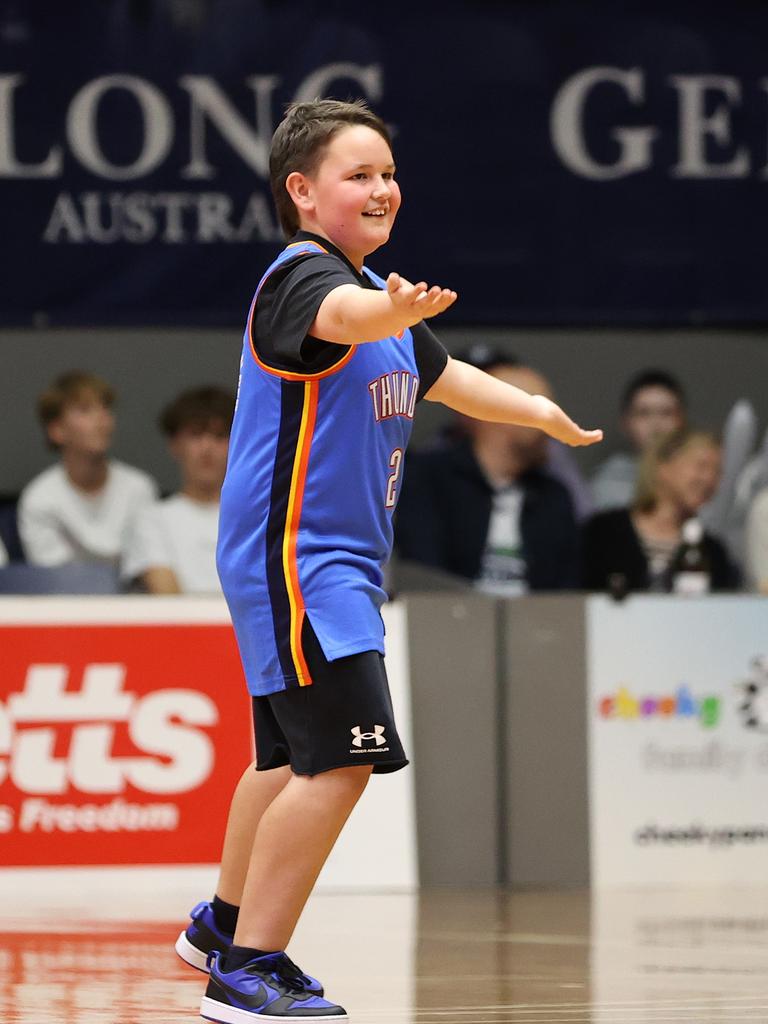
(82, 508)
(333, 364)
(172, 549)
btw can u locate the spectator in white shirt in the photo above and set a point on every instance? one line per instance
(173, 546)
(82, 508)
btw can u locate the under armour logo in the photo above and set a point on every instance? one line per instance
(377, 735)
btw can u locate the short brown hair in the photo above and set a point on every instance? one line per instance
(661, 451)
(198, 408)
(300, 140)
(69, 388)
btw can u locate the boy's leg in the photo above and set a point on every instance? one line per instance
(254, 793)
(213, 923)
(335, 732)
(294, 837)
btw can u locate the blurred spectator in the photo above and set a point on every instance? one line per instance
(10, 542)
(633, 548)
(653, 404)
(751, 482)
(3, 555)
(481, 506)
(172, 549)
(561, 465)
(752, 479)
(558, 461)
(80, 509)
(756, 561)
(725, 516)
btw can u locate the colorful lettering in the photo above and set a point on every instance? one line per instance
(683, 704)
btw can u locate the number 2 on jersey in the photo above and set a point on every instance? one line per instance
(395, 462)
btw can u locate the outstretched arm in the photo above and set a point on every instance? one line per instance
(471, 391)
(349, 314)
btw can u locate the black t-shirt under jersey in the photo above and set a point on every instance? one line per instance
(288, 304)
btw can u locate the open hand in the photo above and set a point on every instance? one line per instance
(418, 301)
(576, 437)
(559, 425)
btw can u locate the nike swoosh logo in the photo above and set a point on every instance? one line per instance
(253, 1002)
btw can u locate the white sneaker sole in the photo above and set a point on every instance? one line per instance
(212, 1009)
(191, 954)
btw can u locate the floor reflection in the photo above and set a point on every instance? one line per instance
(501, 950)
(701, 953)
(441, 957)
(119, 977)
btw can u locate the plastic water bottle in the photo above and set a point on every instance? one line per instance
(691, 572)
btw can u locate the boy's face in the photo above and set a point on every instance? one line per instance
(352, 198)
(85, 426)
(654, 411)
(201, 451)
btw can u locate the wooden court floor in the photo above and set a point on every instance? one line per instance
(440, 957)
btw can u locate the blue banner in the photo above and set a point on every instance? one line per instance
(559, 162)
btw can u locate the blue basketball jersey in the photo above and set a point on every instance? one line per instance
(313, 476)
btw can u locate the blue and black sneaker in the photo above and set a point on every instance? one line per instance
(202, 937)
(264, 988)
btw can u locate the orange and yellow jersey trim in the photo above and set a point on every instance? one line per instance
(292, 520)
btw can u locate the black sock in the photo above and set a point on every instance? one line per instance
(225, 915)
(238, 956)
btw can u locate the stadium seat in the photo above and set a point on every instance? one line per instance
(65, 579)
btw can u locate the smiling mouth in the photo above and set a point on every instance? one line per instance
(375, 213)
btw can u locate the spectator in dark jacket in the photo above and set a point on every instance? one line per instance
(481, 507)
(633, 548)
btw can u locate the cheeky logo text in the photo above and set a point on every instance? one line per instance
(394, 394)
(682, 704)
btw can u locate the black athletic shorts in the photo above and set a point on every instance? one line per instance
(343, 718)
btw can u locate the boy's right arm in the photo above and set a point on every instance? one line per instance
(471, 391)
(351, 315)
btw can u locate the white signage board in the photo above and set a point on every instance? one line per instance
(678, 740)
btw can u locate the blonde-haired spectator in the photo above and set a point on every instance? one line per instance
(633, 548)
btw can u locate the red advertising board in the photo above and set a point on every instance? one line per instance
(119, 743)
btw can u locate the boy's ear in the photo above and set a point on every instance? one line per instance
(299, 189)
(55, 433)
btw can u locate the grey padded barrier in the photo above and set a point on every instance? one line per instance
(500, 749)
(547, 819)
(453, 666)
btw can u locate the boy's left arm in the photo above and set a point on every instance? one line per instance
(475, 393)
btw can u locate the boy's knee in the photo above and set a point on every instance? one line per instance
(360, 774)
(352, 780)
